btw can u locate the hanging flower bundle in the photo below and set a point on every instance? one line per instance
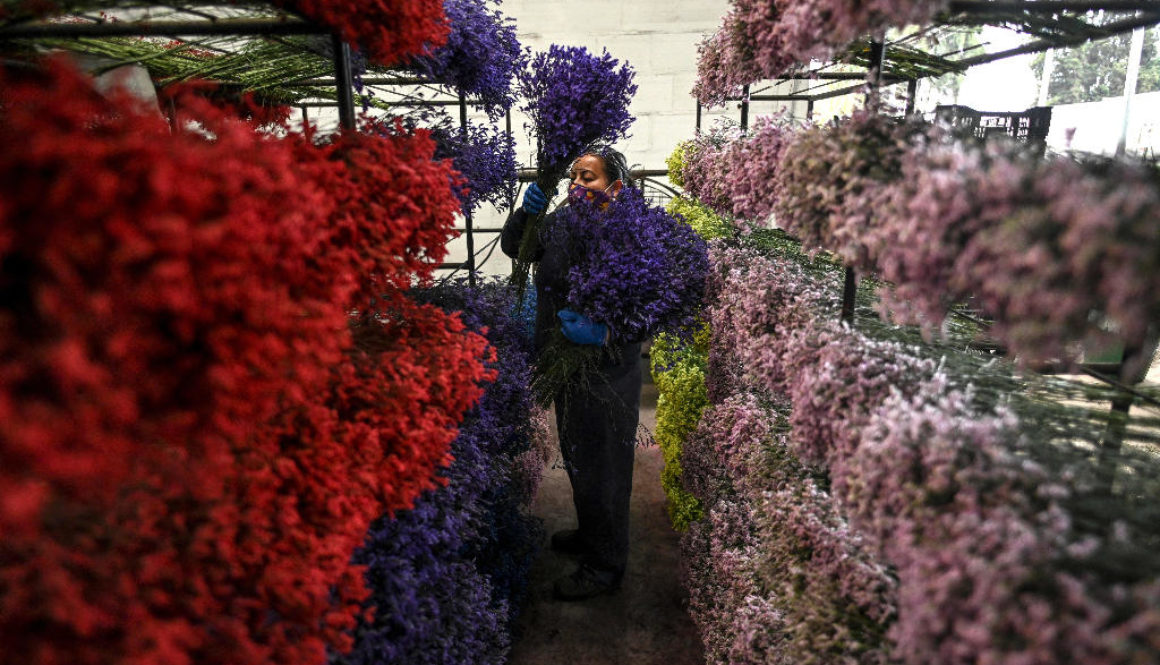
(481, 57)
(1000, 539)
(388, 32)
(759, 39)
(195, 433)
(631, 266)
(832, 179)
(745, 49)
(485, 156)
(448, 575)
(706, 173)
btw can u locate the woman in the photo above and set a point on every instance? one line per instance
(597, 422)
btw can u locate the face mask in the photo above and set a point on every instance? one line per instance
(598, 197)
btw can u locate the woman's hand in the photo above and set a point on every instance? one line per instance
(580, 329)
(534, 200)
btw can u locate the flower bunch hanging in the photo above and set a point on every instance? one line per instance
(705, 171)
(388, 33)
(632, 267)
(708, 224)
(832, 178)
(447, 576)
(745, 49)
(485, 156)
(752, 161)
(195, 431)
(573, 100)
(481, 56)
(759, 39)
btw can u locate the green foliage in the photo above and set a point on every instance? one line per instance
(678, 370)
(1098, 69)
(676, 163)
(705, 222)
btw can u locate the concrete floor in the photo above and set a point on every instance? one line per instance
(644, 623)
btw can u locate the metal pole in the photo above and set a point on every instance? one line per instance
(467, 213)
(850, 285)
(809, 109)
(849, 290)
(343, 82)
(1133, 74)
(877, 62)
(911, 95)
(698, 117)
(1045, 80)
(745, 108)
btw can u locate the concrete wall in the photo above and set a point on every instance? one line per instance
(1097, 126)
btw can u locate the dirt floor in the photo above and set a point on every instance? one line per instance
(644, 623)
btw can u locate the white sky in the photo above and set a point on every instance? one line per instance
(1006, 85)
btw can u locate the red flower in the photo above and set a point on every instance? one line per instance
(192, 441)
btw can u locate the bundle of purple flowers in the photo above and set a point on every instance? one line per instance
(633, 266)
(574, 99)
(481, 56)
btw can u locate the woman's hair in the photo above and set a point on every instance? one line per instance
(615, 165)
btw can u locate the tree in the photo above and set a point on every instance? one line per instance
(1098, 69)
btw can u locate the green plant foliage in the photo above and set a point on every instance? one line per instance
(705, 222)
(678, 369)
(676, 163)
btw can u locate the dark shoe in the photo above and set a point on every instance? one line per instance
(585, 583)
(568, 541)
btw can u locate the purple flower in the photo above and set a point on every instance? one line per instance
(481, 56)
(447, 577)
(633, 266)
(485, 155)
(574, 100)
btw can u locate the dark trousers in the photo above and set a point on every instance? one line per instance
(597, 427)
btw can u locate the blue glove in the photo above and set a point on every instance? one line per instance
(580, 329)
(534, 200)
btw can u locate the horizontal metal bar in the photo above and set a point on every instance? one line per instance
(475, 230)
(427, 102)
(328, 104)
(851, 90)
(224, 27)
(1098, 32)
(367, 80)
(529, 175)
(1065, 368)
(451, 266)
(1048, 6)
(829, 76)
